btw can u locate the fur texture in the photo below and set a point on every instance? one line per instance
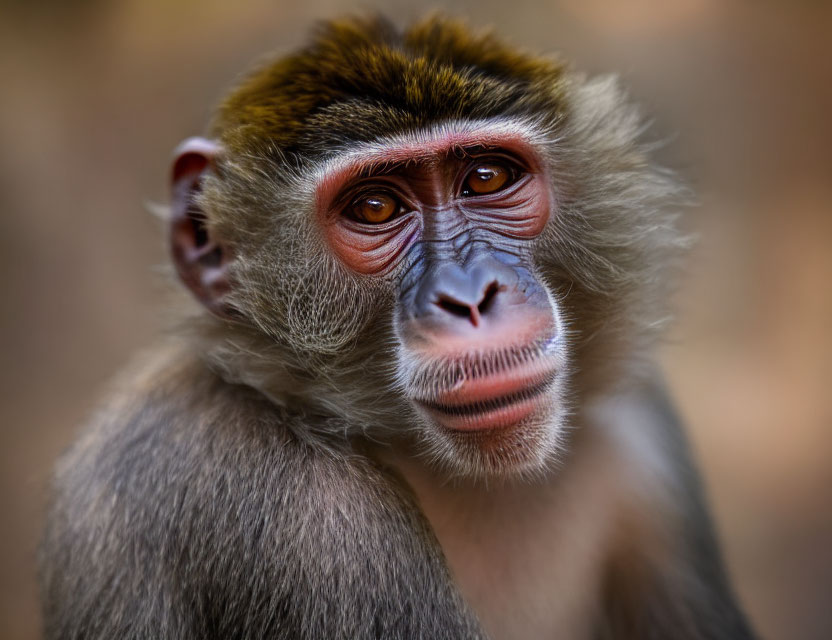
(213, 521)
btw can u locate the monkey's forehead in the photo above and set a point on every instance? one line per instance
(428, 144)
(362, 80)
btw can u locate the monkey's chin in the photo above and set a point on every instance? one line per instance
(524, 448)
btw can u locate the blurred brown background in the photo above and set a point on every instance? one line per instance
(95, 95)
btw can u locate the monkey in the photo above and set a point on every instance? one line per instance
(416, 396)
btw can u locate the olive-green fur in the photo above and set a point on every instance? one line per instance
(362, 79)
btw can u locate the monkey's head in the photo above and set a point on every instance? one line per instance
(427, 236)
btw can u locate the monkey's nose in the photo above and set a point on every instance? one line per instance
(463, 296)
(473, 309)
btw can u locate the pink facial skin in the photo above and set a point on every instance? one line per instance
(423, 174)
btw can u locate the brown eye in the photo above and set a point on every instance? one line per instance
(374, 208)
(486, 178)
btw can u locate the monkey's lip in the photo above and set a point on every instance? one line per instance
(494, 402)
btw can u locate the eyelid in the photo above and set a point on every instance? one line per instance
(500, 154)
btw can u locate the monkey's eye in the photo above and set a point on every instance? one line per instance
(488, 177)
(374, 208)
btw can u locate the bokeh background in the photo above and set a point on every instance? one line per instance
(94, 95)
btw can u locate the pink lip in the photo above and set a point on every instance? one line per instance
(493, 402)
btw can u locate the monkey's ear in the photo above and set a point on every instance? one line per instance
(201, 259)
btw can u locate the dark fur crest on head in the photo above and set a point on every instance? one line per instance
(363, 79)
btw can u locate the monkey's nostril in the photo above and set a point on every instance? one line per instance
(453, 307)
(472, 312)
(469, 311)
(488, 297)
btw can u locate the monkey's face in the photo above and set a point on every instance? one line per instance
(443, 225)
(448, 218)
(396, 229)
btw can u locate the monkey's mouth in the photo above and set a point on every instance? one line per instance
(504, 396)
(473, 410)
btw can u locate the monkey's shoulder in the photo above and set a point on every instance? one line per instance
(194, 495)
(175, 431)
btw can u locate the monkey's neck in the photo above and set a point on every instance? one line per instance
(531, 537)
